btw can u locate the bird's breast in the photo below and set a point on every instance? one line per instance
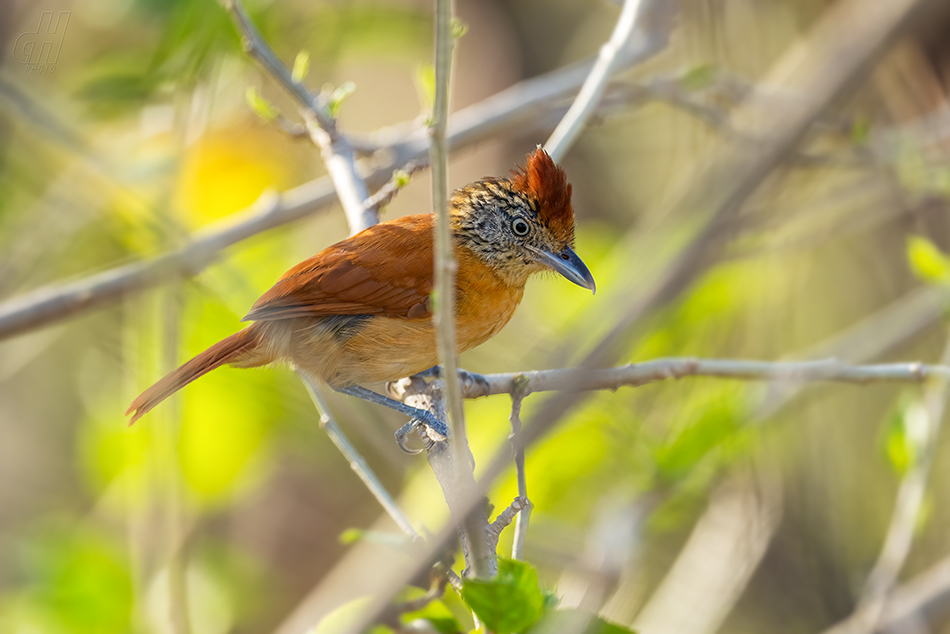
(373, 349)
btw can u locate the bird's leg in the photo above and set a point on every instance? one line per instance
(419, 415)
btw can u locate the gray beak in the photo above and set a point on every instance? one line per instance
(567, 264)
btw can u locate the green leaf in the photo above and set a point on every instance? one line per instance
(264, 109)
(927, 261)
(425, 83)
(401, 178)
(905, 436)
(338, 96)
(577, 621)
(715, 423)
(301, 67)
(511, 602)
(437, 615)
(459, 28)
(860, 130)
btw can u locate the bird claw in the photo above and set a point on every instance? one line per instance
(435, 430)
(402, 434)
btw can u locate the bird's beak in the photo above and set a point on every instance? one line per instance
(567, 264)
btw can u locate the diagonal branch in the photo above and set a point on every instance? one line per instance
(357, 462)
(514, 108)
(338, 154)
(848, 38)
(576, 118)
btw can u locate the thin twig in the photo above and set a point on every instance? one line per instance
(587, 99)
(926, 594)
(507, 516)
(356, 461)
(519, 106)
(868, 614)
(258, 48)
(519, 384)
(636, 374)
(338, 154)
(385, 194)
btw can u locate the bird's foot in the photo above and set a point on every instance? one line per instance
(436, 430)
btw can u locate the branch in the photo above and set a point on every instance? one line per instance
(521, 525)
(910, 497)
(926, 594)
(515, 108)
(576, 118)
(507, 516)
(637, 374)
(480, 558)
(451, 470)
(255, 46)
(844, 43)
(357, 462)
(385, 194)
(338, 154)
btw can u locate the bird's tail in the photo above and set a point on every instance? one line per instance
(236, 348)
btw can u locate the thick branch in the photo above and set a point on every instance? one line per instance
(453, 472)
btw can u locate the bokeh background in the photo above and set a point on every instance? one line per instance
(687, 506)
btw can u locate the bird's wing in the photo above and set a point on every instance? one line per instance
(384, 270)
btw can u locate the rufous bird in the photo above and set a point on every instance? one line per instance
(359, 312)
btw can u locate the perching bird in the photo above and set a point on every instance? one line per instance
(359, 311)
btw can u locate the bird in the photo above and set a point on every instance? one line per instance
(360, 311)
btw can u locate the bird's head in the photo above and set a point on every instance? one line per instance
(523, 224)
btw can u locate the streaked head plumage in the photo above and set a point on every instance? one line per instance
(546, 183)
(523, 224)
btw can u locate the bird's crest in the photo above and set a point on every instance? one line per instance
(547, 183)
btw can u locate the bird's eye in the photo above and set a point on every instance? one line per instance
(519, 227)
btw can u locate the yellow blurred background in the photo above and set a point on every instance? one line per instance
(231, 494)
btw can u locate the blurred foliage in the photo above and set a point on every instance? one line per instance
(156, 125)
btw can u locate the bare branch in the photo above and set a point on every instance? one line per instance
(576, 118)
(480, 557)
(910, 497)
(636, 374)
(453, 472)
(385, 194)
(521, 526)
(926, 594)
(505, 518)
(516, 107)
(255, 46)
(357, 462)
(338, 153)
(844, 43)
